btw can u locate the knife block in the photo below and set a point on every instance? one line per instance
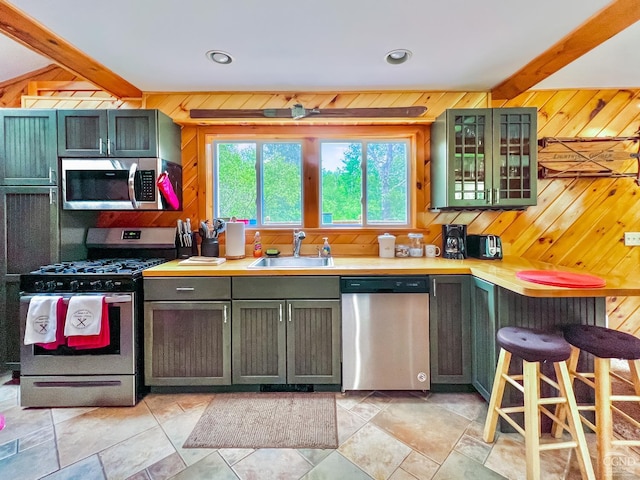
(190, 251)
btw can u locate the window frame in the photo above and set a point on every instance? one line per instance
(310, 136)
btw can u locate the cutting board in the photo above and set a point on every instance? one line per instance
(202, 261)
(561, 279)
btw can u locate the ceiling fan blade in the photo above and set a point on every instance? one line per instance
(240, 113)
(374, 112)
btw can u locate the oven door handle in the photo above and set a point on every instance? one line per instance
(132, 185)
(107, 299)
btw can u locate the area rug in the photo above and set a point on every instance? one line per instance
(267, 420)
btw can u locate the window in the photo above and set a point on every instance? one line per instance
(269, 171)
(314, 177)
(378, 168)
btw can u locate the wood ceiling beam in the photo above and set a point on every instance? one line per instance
(18, 26)
(610, 21)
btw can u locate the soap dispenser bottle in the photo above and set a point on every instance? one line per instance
(257, 245)
(326, 249)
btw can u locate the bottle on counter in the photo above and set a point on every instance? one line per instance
(326, 248)
(257, 245)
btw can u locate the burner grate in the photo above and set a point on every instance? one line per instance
(101, 266)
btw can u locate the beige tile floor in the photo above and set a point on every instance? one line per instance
(382, 435)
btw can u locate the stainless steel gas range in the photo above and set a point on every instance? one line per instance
(69, 376)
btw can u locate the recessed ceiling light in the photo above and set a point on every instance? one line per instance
(398, 56)
(220, 57)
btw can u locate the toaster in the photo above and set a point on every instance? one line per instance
(486, 247)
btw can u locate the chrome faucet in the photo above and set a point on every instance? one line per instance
(298, 236)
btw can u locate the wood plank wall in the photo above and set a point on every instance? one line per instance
(578, 222)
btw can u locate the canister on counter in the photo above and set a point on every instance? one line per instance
(386, 243)
(415, 244)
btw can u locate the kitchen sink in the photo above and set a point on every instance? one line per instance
(292, 262)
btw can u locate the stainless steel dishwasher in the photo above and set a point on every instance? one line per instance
(385, 333)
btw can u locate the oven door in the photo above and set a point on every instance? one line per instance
(118, 358)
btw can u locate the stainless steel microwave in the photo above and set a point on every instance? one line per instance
(118, 184)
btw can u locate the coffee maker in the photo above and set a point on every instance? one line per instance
(454, 241)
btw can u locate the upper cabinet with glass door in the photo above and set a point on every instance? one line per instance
(117, 133)
(484, 158)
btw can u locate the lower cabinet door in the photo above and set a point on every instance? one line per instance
(313, 341)
(484, 320)
(450, 329)
(286, 341)
(259, 342)
(187, 343)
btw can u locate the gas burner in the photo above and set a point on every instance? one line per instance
(101, 266)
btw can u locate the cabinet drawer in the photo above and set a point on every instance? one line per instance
(187, 288)
(286, 287)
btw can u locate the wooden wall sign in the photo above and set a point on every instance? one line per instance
(589, 157)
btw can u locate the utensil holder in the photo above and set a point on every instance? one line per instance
(187, 251)
(210, 247)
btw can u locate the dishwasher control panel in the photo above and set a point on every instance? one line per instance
(385, 284)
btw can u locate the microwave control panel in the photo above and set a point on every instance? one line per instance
(147, 186)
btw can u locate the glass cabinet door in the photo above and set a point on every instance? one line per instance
(471, 149)
(515, 157)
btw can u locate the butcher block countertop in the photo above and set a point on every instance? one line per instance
(499, 272)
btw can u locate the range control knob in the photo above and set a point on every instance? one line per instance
(73, 285)
(108, 285)
(96, 285)
(51, 286)
(39, 286)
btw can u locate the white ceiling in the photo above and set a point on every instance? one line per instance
(293, 45)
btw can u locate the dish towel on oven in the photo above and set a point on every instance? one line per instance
(61, 313)
(42, 321)
(86, 340)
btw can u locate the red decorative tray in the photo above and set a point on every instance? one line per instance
(561, 279)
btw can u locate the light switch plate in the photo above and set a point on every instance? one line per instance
(632, 239)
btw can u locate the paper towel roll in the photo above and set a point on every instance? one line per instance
(235, 240)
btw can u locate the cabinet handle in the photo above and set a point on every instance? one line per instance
(108, 147)
(280, 312)
(289, 306)
(100, 146)
(434, 287)
(225, 313)
(185, 289)
(488, 193)
(497, 196)
(52, 196)
(52, 176)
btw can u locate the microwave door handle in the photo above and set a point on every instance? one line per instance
(132, 189)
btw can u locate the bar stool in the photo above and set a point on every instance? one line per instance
(535, 347)
(604, 344)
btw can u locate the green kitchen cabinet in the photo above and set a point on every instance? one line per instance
(484, 158)
(29, 225)
(293, 339)
(286, 341)
(187, 331)
(117, 133)
(28, 150)
(484, 317)
(450, 329)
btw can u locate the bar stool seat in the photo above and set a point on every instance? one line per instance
(604, 344)
(535, 347)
